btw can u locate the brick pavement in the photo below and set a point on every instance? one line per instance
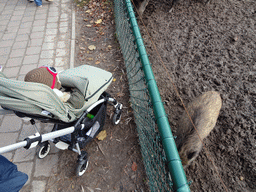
(31, 37)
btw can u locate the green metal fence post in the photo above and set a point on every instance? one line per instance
(174, 163)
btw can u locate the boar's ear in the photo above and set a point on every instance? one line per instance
(191, 155)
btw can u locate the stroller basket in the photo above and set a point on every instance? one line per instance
(73, 127)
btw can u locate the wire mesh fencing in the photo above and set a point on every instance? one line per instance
(155, 158)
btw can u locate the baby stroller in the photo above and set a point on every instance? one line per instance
(73, 127)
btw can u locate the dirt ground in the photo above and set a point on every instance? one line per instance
(210, 47)
(115, 164)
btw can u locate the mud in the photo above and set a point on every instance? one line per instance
(210, 48)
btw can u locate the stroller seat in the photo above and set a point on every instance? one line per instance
(40, 101)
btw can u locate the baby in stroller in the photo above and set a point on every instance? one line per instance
(77, 119)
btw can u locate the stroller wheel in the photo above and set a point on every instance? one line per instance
(43, 150)
(82, 167)
(117, 115)
(116, 118)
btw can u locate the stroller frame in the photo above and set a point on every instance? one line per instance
(76, 130)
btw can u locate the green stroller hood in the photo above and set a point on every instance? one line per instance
(39, 99)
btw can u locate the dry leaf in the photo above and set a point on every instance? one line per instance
(88, 11)
(85, 19)
(114, 79)
(97, 62)
(134, 166)
(92, 47)
(98, 21)
(90, 58)
(82, 48)
(102, 135)
(88, 25)
(109, 46)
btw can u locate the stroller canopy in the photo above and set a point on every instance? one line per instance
(39, 99)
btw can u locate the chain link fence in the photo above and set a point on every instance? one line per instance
(146, 110)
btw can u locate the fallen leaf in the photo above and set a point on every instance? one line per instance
(92, 47)
(91, 21)
(97, 62)
(85, 19)
(134, 166)
(114, 79)
(98, 21)
(88, 11)
(88, 25)
(82, 48)
(102, 135)
(90, 59)
(109, 47)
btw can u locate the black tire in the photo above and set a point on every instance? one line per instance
(43, 150)
(116, 118)
(81, 168)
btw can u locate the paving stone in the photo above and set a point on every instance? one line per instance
(8, 138)
(47, 166)
(14, 62)
(18, 12)
(4, 22)
(48, 46)
(41, 16)
(21, 77)
(9, 36)
(24, 31)
(36, 42)
(16, 18)
(52, 19)
(28, 130)
(61, 61)
(37, 35)
(11, 71)
(23, 37)
(26, 68)
(17, 53)
(19, 45)
(8, 155)
(61, 52)
(52, 25)
(39, 23)
(22, 155)
(2, 27)
(47, 54)
(61, 44)
(11, 123)
(33, 50)
(45, 62)
(31, 59)
(53, 14)
(63, 29)
(27, 168)
(14, 23)
(6, 43)
(38, 29)
(26, 25)
(12, 29)
(7, 12)
(64, 24)
(5, 17)
(3, 59)
(26, 19)
(5, 50)
(38, 186)
(50, 39)
(51, 32)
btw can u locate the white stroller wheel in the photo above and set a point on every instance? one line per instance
(116, 119)
(81, 168)
(43, 150)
